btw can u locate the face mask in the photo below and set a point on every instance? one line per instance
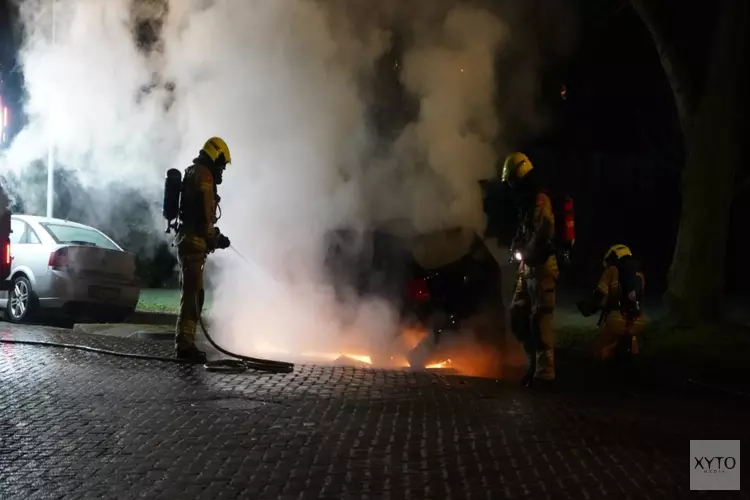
(218, 174)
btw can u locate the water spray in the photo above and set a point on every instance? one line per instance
(250, 262)
(240, 363)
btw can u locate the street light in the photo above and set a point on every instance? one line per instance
(51, 150)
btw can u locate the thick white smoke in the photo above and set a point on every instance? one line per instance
(272, 80)
(285, 83)
(451, 69)
(84, 95)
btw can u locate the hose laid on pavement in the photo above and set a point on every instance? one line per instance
(241, 363)
(237, 364)
(96, 350)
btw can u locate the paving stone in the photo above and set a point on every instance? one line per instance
(82, 425)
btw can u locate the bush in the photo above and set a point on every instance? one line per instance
(158, 270)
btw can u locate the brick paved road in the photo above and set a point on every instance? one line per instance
(82, 425)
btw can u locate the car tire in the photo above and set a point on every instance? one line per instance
(22, 301)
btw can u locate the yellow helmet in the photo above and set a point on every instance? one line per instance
(615, 253)
(215, 147)
(516, 166)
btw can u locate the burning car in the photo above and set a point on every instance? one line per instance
(443, 283)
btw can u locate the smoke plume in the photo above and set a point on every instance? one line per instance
(290, 85)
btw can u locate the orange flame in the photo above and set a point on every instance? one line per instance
(442, 364)
(361, 359)
(399, 361)
(466, 358)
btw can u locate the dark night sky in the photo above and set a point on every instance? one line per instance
(618, 98)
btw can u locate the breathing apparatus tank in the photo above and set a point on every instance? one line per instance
(171, 205)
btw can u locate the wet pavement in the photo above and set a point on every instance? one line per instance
(82, 425)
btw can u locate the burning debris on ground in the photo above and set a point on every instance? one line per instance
(409, 352)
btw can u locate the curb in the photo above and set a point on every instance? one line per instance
(159, 330)
(121, 330)
(681, 381)
(715, 390)
(152, 318)
(156, 336)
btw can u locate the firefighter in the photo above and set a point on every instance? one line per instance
(196, 238)
(533, 301)
(618, 297)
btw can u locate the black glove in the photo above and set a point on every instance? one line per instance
(222, 242)
(218, 241)
(584, 308)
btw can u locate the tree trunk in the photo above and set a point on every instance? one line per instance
(710, 125)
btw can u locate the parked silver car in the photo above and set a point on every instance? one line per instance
(69, 268)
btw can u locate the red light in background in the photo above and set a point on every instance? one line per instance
(418, 290)
(7, 253)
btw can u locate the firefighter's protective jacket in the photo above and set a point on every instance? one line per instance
(198, 209)
(613, 324)
(536, 232)
(606, 296)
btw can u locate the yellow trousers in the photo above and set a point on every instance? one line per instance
(612, 331)
(531, 313)
(191, 261)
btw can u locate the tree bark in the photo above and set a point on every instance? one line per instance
(741, 187)
(710, 125)
(675, 63)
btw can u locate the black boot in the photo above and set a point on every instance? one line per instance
(528, 378)
(190, 353)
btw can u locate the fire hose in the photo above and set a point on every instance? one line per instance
(238, 364)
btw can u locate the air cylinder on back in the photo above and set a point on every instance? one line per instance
(172, 190)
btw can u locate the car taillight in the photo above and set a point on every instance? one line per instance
(58, 259)
(6, 254)
(418, 290)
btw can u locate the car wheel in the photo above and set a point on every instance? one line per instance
(21, 301)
